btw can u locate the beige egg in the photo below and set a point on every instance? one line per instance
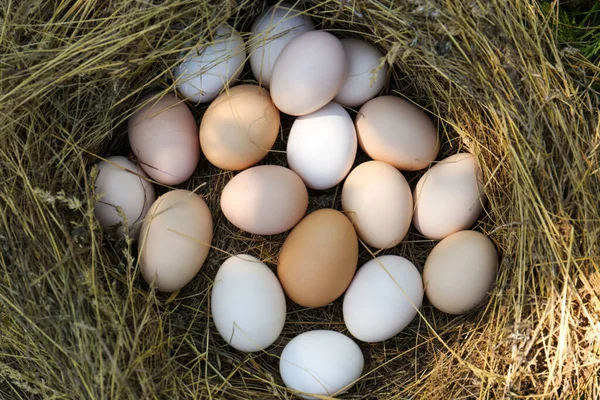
(175, 239)
(124, 185)
(308, 73)
(449, 197)
(318, 259)
(239, 127)
(395, 131)
(377, 198)
(163, 134)
(460, 271)
(265, 200)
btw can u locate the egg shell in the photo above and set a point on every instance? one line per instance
(270, 33)
(448, 198)
(163, 135)
(365, 79)
(395, 131)
(318, 259)
(122, 184)
(175, 239)
(308, 73)
(383, 298)
(321, 362)
(460, 271)
(247, 304)
(378, 200)
(265, 200)
(322, 146)
(205, 70)
(239, 127)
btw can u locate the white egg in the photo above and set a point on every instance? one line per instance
(124, 185)
(206, 70)
(271, 32)
(248, 304)
(383, 298)
(322, 146)
(365, 80)
(321, 362)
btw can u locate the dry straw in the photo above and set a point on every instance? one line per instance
(76, 320)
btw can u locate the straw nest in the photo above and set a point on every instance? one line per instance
(78, 322)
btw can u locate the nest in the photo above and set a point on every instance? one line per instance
(78, 322)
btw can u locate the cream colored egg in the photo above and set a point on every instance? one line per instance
(124, 185)
(175, 239)
(308, 73)
(163, 134)
(239, 127)
(395, 131)
(377, 199)
(460, 271)
(270, 33)
(449, 197)
(365, 76)
(265, 200)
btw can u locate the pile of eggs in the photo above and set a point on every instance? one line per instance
(312, 75)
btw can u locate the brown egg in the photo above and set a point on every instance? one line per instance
(318, 259)
(393, 130)
(460, 271)
(175, 239)
(377, 198)
(163, 136)
(265, 200)
(239, 127)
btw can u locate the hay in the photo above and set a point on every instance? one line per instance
(77, 321)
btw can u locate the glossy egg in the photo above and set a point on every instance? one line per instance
(448, 198)
(163, 134)
(239, 127)
(265, 200)
(395, 131)
(378, 200)
(383, 298)
(308, 73)
(175, 239)
(365, 76)
(460, 271)
(322, 146)
(124, 185)
(321, 363)
(247, 304)
(318, 258)
(207, 69)
(270, 33)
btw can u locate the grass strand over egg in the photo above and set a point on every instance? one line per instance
(76, 319)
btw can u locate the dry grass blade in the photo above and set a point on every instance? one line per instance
(76, 320)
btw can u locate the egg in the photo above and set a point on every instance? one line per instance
(449, 196)
(175, 239)
(397, 132)
(321, 362)
(239, 128)
(365, 78)
(122, 184)
(205, 70)
(265, 200)
(163, 134)
(308, 73)
(383, 298)
(322, 146)
(318, 259)
(378, 200)
(247, 304)
(460, 271)
(270, 33)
